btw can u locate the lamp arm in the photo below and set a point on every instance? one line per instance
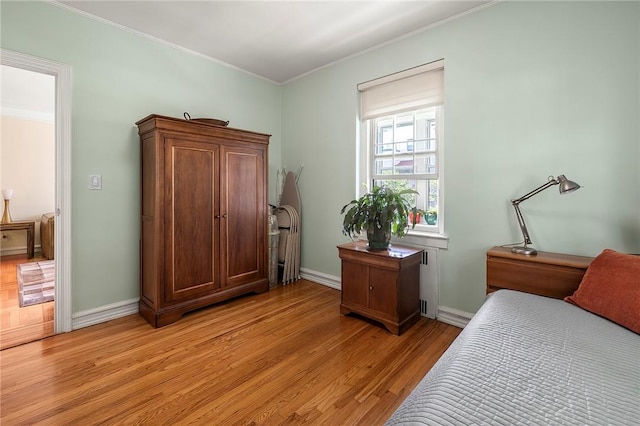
(523, 226)
(517, 201)
(541, 188)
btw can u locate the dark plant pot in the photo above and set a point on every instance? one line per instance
(432, 218)
(379, 238)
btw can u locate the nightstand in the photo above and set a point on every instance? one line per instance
(381, 285)
(546, 274)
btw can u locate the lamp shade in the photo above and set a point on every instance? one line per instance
(7, 193)
(566, 186)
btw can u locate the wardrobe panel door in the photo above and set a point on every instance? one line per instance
(191, 249)
(243, 208)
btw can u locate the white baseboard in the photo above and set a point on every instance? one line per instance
(445, 314)
(321, 278)
(104, 313)
(13, 250)
(453, 316)
(127, 307)
(19, 250)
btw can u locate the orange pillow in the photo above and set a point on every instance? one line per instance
(611, 288)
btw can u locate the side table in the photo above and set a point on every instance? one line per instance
(381, 285)
(28, 226)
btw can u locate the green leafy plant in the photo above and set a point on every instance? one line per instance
(382, 212)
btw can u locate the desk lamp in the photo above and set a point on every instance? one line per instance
(566, 186)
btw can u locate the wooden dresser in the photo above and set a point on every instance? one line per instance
(381, 285)
(547, 274)
(204, 215)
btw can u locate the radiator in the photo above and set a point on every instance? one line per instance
(429, 283)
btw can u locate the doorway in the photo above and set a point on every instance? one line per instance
(57, 199)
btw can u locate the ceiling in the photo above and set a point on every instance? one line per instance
(276, 40)
(27, 94)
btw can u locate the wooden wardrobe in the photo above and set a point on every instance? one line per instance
(203, 215)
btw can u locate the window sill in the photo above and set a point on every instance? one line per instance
(424, 239)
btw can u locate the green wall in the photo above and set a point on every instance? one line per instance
(119, 78)
(532, 89)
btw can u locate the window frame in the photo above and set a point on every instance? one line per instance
(435, 234)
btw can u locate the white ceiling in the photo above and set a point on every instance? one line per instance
(277, 40)
(27, 94)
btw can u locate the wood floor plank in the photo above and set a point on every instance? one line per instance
(282, 357)
(20, 325)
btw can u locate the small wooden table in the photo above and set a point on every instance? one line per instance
(381, 285)
(28, 226)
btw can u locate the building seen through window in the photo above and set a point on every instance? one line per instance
(405, 155)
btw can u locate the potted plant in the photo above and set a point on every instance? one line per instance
(432, 216)
(381, 212)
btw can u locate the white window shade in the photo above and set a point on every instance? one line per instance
(416, 88)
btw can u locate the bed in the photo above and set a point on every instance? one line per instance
(529, 359)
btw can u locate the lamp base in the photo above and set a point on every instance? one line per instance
(6, 216)
(527, 251)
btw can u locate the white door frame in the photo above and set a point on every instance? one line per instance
(62, 242)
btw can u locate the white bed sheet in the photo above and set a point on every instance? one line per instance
(526, 359)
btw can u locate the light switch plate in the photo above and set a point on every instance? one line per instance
(95, 182)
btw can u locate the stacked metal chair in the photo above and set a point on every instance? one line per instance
(288, 216)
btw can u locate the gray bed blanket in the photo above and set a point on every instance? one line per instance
(526, 359)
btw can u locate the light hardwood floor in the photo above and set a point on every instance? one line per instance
(19, 325)
(282, 357)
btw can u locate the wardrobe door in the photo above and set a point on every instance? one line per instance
(243, 208)
(191, 228)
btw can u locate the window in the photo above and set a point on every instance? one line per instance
(403, 137)
(404, 154)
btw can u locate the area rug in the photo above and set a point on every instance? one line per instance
(36, 282)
